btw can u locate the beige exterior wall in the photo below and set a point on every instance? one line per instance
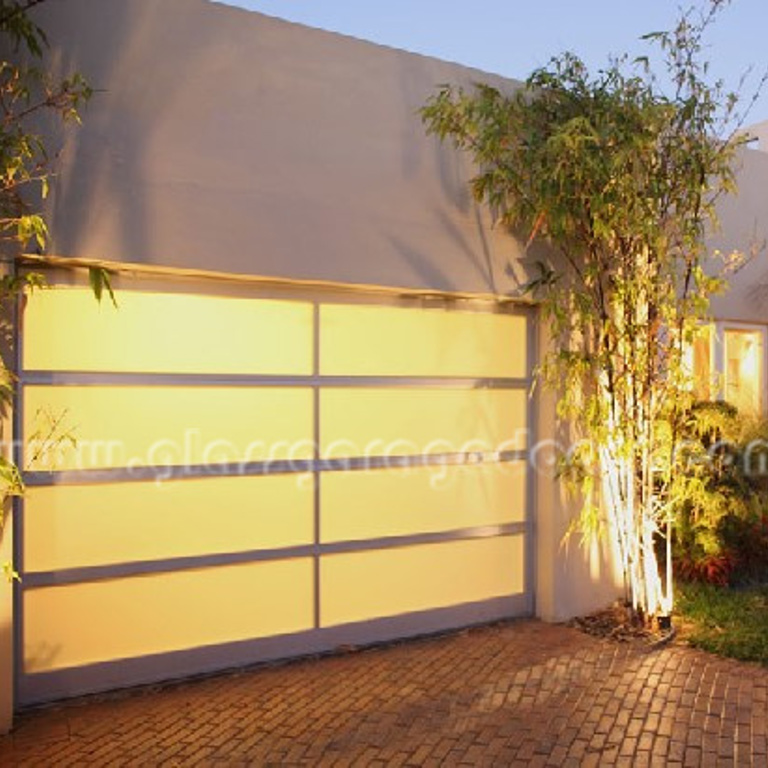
(572, 577)
(759, 135)
(224, 139)
(744, 227)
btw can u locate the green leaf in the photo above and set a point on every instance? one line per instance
(100, 281)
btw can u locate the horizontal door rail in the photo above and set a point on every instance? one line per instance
(278, 467)
(168, 565)
(118, 378)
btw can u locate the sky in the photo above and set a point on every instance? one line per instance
(511, 38)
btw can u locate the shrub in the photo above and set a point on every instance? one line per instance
(721, 512)
(746, 540)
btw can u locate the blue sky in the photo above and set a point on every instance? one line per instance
(512, 37)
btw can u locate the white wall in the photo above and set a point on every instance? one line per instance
(744, 227)
(224, 139)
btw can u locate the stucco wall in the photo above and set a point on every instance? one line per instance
(744, 227)
(224, 139)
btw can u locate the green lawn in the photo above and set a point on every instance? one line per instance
(730, 622)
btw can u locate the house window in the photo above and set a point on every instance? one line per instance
(702, 364)
(728, 363)
(743, 372)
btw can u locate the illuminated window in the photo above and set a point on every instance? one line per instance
(744, 369)
(727, 363)
(699, 359)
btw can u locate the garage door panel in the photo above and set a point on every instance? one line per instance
(166, 333)
(77, 624)
(79, 526)
(365, 585)
(394, 341)
(413, 422)
(376, 503)
(174, 426)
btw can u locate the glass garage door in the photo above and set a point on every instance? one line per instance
(219, 477)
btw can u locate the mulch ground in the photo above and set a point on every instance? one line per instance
(620, 624)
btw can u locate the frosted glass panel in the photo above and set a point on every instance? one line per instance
(389, 422)
(138, 426)
(368, 504)
(84, 525)
(365, 340)
(366, 585)
(66, 329)
(76, 624)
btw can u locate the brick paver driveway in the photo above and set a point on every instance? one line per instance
(521, 693)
